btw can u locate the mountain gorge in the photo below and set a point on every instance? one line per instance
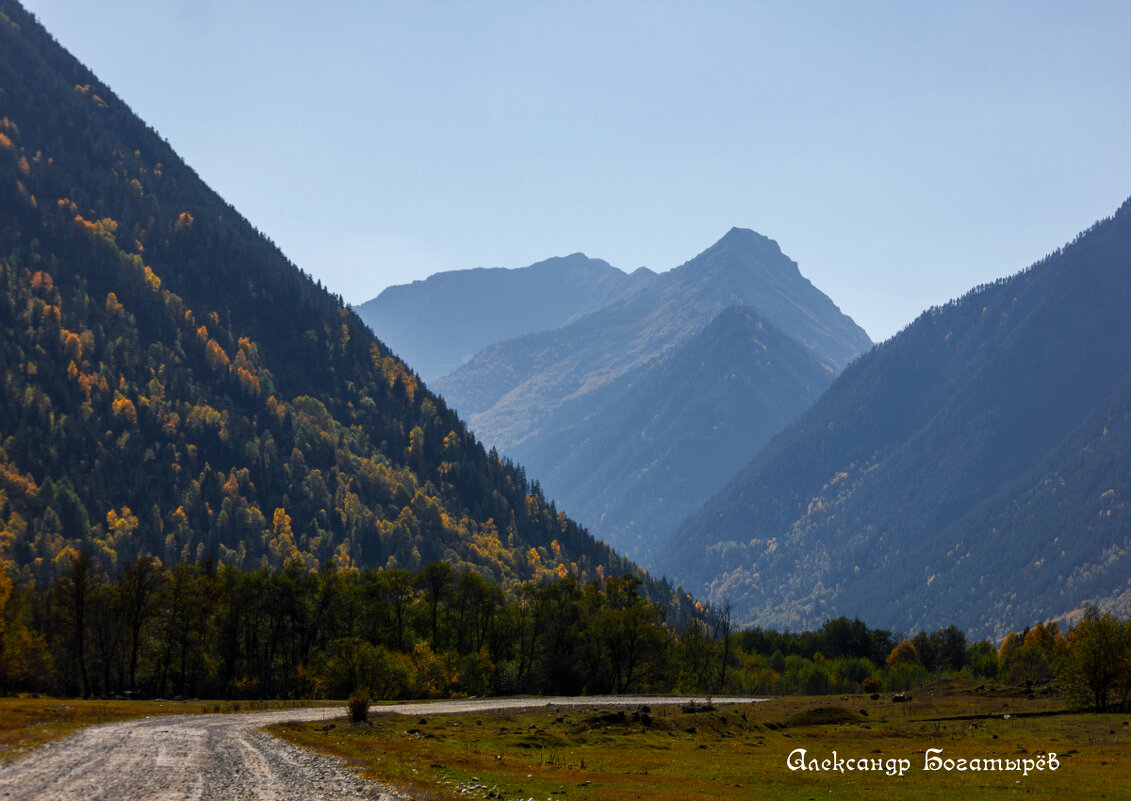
(632, 415)
(173, 386)
(969, 470)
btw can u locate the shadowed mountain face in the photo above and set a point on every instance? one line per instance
(632, 415)
(438, 324)
(645, 450)
(914, 492)
(174, 386)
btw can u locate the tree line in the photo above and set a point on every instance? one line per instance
(193, 631)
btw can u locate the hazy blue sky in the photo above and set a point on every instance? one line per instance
(900, 152)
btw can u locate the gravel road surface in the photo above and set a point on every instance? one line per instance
(223, 757)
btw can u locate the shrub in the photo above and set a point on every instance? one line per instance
(349, 663)
(848, 672)
(814, 679)
(436, 674)
(475, 673)
(902, 676)
(358, 705)
(394, 676)
(981, 660)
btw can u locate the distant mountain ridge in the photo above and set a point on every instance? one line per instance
(697, 366)
(439, 323)
(508, 390)
(917, 441)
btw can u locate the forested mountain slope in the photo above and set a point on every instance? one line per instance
(439, 323)
(1054, 540)
(871, 501)
(173, 385)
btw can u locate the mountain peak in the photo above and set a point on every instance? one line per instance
(566, 264)
(743, 249)
(749, 269)
(748, 241)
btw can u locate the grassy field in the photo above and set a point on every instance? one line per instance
(27, 722)
(741, 752)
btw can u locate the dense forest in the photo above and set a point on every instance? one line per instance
(172, 386)
(438, 632)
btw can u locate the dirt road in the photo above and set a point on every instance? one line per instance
(221, 757)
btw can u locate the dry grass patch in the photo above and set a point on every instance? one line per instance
(738, 752)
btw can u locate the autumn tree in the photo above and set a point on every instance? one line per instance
(903, 654)
(1098, 670)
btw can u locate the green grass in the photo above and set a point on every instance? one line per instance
(739, 752)
(26, 722)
